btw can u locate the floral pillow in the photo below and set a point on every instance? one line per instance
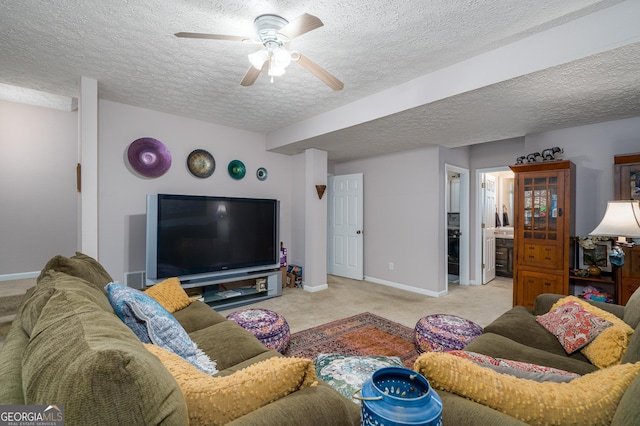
(574, 326)
(523, 370)
(154, 324)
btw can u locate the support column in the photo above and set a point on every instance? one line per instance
(88, 147)
(315, 226)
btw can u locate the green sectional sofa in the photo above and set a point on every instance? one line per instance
(66, 346)
(516, 335)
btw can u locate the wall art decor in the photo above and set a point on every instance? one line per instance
(149, 157)
(236, 169)
(201, 163)
(262, 173)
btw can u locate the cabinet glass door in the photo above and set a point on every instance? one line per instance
(541, 210)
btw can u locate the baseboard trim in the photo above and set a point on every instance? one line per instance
(406, 287)
(315, 288)
(19, 276)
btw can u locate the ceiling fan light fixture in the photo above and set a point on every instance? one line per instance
(275, 70)
(281, 57)
(258, 58)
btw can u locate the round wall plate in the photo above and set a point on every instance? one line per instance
(201, 163)
(149, 157)
(262, 173)
(236, 169)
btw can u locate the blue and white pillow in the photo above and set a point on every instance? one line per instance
(152, 323)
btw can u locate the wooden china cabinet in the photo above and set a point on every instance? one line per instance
(626, 187)
(543, 223)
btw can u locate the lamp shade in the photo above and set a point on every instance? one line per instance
(621, 219)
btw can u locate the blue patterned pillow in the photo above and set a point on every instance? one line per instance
(152, 323)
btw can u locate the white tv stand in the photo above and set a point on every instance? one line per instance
(243, 288)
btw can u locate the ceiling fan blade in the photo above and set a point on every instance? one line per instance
(324, 75)
(302, 24)
(251, 76)
(212, 36)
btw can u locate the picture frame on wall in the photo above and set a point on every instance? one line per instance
(600, 254)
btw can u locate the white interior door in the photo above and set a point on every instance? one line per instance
(489, 229)
(345, 257)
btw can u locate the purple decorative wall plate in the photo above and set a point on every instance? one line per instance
(149, 157)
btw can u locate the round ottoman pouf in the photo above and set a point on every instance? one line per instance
(443, 332)
(269, 327)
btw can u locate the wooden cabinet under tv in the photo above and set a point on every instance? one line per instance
(543, 220)
(234, 290)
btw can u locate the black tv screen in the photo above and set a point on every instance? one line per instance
(197, 235)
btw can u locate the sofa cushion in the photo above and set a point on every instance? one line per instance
(573, 326)
(519, 325)
(228, 343)
(80, 265)
(503, 347)
(197, 315)
(87, 360)
(218, 400)
(608, 347)
(51, 282)
(628, 411)
(170, 294)
(11, 360)
(632, 310)
(154, 324)
(592, 398)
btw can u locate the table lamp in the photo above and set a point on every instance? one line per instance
(621, 220)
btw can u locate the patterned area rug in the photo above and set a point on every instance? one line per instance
(362, 334)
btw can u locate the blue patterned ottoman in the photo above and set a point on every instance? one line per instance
(269, 327)
(443, 332)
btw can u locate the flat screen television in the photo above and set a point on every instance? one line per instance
(199, 237)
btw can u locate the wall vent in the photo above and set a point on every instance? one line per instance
(135, 279)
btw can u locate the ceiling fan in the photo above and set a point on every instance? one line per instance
(274, 33)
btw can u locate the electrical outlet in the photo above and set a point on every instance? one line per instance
(391, 266)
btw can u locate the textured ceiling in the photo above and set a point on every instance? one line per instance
(373, 45)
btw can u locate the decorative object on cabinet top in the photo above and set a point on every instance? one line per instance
(149, 157)
(236, 169)
(548, 154)
(201, 163)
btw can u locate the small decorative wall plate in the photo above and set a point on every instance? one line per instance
(201, 163)
(262, 173)
(149, 157)
(236, 169)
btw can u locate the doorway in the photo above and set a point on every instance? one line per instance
(456, 246)
(345, 257)
(494, 219)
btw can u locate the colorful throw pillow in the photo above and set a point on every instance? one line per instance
(609, 347)
(573, 326)
(154, 324)
(170, 294)
(590, 399)
(219, 400)
(347, 373)
(524, 370)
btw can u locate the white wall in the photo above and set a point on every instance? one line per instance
(122, 192)
(38, 157)
(402, 198)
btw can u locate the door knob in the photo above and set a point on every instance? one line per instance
(358, 232)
